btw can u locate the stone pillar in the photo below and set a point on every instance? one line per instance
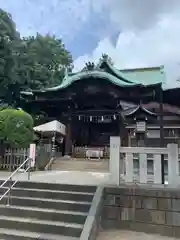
(114, 164)
(173, 164)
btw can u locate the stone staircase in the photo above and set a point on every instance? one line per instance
(45, 211)
(80, 164)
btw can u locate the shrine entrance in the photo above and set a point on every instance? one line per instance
(94, 132)
(91, 133)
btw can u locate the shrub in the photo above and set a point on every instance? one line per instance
(16, 127)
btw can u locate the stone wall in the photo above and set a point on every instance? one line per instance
(146, 210)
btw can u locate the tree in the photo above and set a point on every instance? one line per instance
(28, 63)
(43, 60)
(9, 38)
(16, 128)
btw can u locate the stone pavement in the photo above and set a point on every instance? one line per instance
(129, 235)
(80, 164)
(67, 177)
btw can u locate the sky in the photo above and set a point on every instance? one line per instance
(134, 33)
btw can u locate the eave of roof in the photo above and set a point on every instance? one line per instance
(131, 111)
(68, 80)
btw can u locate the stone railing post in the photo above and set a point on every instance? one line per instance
(173, 166)
(114, 165)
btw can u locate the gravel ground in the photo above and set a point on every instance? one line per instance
(129, 235)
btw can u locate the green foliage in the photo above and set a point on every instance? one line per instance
(44, 61)
(16, 128)
(8, 42)
(28, 63)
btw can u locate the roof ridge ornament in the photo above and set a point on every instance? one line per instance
(106, 58)
(89, 66)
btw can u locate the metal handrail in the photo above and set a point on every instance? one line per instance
(28, 160)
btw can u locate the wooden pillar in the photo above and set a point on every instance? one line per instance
(89, 132)
(123, 132)
(125, 136)
(120, 123)
(68, 142)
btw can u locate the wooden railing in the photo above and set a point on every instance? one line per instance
(13, 158)
(143, 165)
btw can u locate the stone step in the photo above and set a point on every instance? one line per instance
(43, 214)
(53, 186)
(47, 227)
(45, 211)
(51, 194)
(49, 203)
(12, 234)
(86, 165)
(70, 168)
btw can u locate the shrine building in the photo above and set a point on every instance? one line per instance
(101, 101)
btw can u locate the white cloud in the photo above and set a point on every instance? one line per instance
(149, 36)
(62, 18)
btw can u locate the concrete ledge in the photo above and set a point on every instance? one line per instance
(164, 191)
(91, 226)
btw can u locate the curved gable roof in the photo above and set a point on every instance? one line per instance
(68, 80)
(131, 111)
(116, 72)
(145, 76)
(119, 78)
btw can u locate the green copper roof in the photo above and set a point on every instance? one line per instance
(123, 78)
(145, 76)
(98, 74)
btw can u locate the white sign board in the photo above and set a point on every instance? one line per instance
(32, 154)
(140, 127)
